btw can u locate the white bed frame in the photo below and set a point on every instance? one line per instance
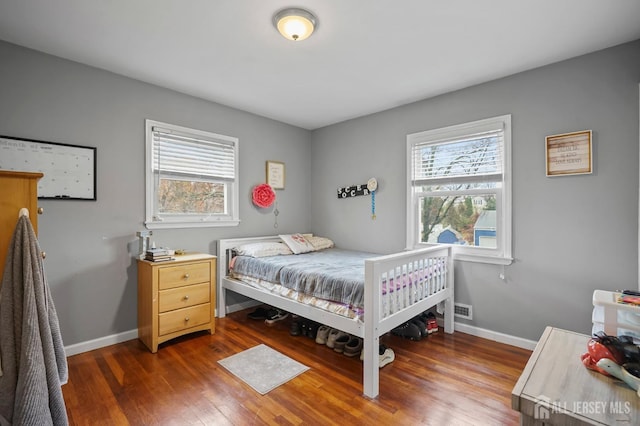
(404, 304)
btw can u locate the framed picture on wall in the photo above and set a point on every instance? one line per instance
(569, 154)
(275, 174)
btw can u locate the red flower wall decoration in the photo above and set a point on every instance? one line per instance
(263, 195)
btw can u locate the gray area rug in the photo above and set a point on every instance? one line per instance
(263, 368)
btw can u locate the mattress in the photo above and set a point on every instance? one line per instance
(327, 305)
(334, 275)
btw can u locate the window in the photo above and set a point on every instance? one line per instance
(191, 177)
(459, 189)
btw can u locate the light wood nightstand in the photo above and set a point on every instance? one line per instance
(175, 297)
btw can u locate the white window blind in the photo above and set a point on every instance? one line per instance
(176, 153)
(191, 177)
(476, 158)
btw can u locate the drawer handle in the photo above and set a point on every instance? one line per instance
(186, 276)
(186, 319)
(186, 297)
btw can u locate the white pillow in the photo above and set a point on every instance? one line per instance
(320, 243)
(273, 248)
(297, 243)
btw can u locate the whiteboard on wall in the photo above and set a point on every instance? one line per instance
(69, 170)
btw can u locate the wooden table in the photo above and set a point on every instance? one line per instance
(556, 389)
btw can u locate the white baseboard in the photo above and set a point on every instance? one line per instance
(496, 336)
(101, 342)
(133, 334)
(243, 305)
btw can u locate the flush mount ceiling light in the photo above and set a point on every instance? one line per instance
(295, 24)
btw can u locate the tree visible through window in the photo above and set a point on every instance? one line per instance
(178, 196)
(457, 186)
(457, 213)
(191, 177)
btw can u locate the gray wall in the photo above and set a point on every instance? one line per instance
(89, 245)
(571, 234)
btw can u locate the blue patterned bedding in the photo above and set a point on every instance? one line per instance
(332, 274)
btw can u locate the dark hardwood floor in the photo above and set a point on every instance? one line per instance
(444, 379)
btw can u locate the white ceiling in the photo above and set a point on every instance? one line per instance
(366, 55)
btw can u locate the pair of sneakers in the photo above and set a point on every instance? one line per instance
(304, 327)
(339, 341)
(275, 315)
(269, 314)
(385, 355)
(322, 335)
(260, 313)
(432, 323)
(412, 330)
(429, 319)
(332, 337)
(424, 324)
(348, 345)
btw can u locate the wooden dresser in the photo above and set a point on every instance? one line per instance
(17, 190)
(556, 389)
(175, 298)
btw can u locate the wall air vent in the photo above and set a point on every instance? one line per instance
(461, 310)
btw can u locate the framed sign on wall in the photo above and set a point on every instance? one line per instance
(569, 154)
(69, 170)
(275, 174)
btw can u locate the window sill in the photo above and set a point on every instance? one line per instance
(203, 224)
(495, 260)
(477, 258)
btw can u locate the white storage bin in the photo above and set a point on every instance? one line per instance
(612, 317)
(598, 326)
(622, 316)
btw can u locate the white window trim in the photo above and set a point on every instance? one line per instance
(153, 223)
(470, 254)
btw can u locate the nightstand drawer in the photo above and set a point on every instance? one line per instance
(183, 297)
(180, 275)
(181, 319)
